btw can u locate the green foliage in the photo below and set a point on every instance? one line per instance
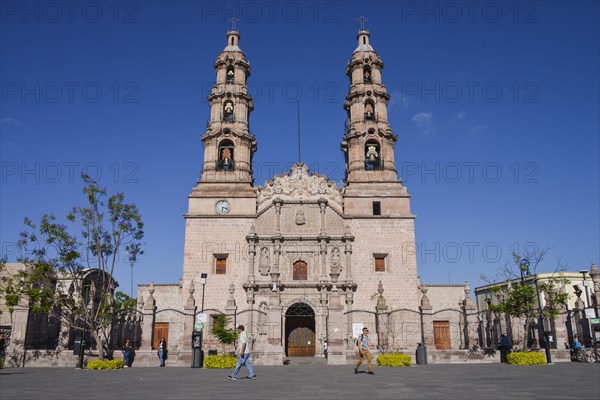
(105, 364)
(69, 267)
(526, 358)
(393, 360)
(220, 331)
(123, 303)
(224, 361)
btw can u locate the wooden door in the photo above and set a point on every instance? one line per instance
(441, 335)
(161, 330)
(301, 342)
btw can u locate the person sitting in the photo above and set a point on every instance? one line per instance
(576, 345)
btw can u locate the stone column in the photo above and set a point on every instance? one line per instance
(323, 259)
(252, 239)
(382, 319)
(347, 239)
(469, 319)
(336, 351)
(350, 317)
(148, 321)
(426, 318)
(278, 203)
(323, 206)
(189, 318)
(271, 351)
(15, 353)
(595, 296)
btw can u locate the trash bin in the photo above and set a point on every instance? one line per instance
(421, 354)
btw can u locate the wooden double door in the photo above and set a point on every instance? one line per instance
(300, 335)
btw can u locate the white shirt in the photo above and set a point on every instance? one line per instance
(243, 339)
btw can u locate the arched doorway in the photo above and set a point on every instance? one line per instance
(300, 331)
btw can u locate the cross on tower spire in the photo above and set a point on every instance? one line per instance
(362, 20)
(233, 21)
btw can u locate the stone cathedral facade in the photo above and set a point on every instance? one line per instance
(298, 261)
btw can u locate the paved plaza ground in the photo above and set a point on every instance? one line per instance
(441, 381)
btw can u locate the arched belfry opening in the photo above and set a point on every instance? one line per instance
(373, 155)
(300, 335)
(226, 159)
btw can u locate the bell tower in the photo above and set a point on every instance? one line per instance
(228, 144)
(372, 184)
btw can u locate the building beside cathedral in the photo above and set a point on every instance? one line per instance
(299, 261)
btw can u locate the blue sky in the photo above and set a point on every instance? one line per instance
(495, 105)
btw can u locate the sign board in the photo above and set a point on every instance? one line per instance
(357, 329)
(201, 318)
(198, 327)
(594, 320)
(590, 313)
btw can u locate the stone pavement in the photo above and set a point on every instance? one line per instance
(441, 381)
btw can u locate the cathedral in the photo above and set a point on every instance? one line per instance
(299, 261)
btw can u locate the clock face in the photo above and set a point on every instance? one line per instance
(222, 207)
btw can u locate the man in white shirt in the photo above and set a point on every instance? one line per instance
(243, 348)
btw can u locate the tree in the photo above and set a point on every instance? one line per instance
(521, 297)
(220, 331)
(71, 274)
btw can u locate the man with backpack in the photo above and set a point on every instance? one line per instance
(363, 351)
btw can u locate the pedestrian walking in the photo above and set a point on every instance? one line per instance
(363, 351)
(243, 348)
(2, 349)
(504, 348)
(325, 349)
(162, 351)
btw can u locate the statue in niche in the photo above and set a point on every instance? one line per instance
(366, 76)
(264, 264)
(369, 111)
(300, 218)
(335, 257)
(230, 75)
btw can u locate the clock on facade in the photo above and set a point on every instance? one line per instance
(222, 207)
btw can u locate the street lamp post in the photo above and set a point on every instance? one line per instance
(541, 322)
(203, 282)
(585, 286)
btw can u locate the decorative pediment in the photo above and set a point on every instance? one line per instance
(299, 184)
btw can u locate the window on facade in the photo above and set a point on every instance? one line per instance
(376, 208)
(221, 265)
(379, 264)
(300, 271)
